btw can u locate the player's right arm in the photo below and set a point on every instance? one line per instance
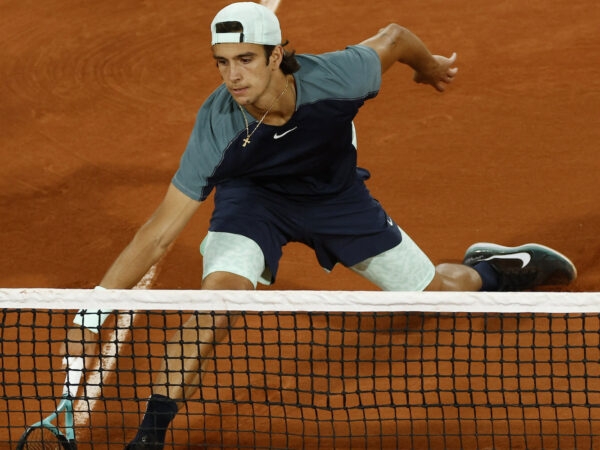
(147, 246)
(151, 241)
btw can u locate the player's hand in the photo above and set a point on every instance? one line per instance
(80, 342)
(440, 74)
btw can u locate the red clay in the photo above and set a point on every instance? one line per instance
(98, 102)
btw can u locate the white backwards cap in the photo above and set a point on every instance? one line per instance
(260, 25)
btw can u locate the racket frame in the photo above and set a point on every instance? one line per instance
(67, 439)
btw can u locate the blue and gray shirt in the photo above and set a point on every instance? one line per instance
(312, 154)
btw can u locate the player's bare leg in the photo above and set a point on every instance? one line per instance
(186, 354)
(454, 277)
(226, 280)
(190, 347)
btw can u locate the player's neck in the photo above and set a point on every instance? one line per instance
(278, 105)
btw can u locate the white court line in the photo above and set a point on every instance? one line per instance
(106, 365)
(110, 350)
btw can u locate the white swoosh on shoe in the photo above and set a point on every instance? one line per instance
(524, 257)
(279, 136)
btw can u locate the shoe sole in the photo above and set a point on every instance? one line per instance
(488, 247)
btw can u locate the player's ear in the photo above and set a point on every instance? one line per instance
(276, 57)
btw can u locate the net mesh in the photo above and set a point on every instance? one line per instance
(42, 439)
(416, 371)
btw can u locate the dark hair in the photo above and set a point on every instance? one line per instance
(289, 63)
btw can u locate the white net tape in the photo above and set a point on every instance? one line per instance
(351, 301)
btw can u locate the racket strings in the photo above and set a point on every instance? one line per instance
(42, 438)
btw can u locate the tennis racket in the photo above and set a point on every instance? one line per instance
(45, 435)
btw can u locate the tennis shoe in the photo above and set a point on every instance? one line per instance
(146, 441)
(524, 267)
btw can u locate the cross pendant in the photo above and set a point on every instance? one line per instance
(246, 141)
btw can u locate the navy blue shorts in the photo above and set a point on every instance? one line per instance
(348, 227)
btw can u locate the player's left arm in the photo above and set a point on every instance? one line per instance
(395, 43)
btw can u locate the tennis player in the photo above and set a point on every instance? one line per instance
(276, 142)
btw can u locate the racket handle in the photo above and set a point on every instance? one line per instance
(74, 366)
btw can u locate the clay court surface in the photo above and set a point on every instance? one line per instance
(97, 100)
(98, 103)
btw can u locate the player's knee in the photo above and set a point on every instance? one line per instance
(221, 280)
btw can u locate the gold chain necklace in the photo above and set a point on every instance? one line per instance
(248, 134)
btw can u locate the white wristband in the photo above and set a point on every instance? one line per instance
(92, 320)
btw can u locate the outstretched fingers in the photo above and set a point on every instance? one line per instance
(438, 75)
(447, 71)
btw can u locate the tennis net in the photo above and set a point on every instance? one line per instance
(322, 370)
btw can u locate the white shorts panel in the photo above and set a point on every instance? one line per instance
(234, 253)
(402, 268)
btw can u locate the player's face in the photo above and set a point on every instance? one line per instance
(245, 70)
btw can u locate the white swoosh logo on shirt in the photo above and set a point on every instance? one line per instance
(279, 136)
(524, 257)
